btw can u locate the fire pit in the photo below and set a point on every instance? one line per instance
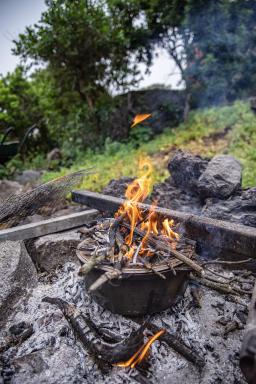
(134, 262)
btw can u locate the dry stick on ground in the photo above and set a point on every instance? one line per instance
(17, 340)
(224, 262)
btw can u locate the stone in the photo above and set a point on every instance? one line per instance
(51, 251)
(117, 187)
(28, 176)
(221, 178)
(8, 188)
(169, 196)
(239, 208)
(186, 169)
(17, 273)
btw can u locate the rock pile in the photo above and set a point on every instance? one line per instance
(212, 188)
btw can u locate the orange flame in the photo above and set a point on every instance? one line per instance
(152, 224)
(139, 118)
(140, 355)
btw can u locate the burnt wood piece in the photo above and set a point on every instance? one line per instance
(14, 340)
(224, 235)
(179, 346)
(248, 350)
(46, 227)
(108, 352)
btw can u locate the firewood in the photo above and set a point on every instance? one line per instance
(107, 276)
(101, 350)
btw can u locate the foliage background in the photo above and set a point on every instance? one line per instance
(80, 50)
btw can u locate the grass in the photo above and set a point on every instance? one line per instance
(201, 134)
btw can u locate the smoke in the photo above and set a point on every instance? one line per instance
(216, 49)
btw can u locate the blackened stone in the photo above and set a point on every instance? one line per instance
(186, 169)
(221, 178)
(117, 187)
(240, 208)
(169, 196)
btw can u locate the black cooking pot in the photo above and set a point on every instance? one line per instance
(139, 291)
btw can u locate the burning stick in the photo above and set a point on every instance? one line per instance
(163, 246)
(179, 346)
(139, 356)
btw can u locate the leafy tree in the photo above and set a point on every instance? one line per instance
(87, 46)
(19, 105)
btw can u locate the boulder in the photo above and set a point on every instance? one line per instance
(51, 251)
(186, 169)
(17, 273)
(221, 178)
(29, 176)
(117, 187)
(8, 188)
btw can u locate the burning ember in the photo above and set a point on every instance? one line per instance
(150, 222)
(139, 118)
(142, 353)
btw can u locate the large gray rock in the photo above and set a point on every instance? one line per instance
(221, 178)
(52, 251)
(186, 169)
(8, 188)
(17, 273)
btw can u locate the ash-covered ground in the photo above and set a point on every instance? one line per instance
(52, 354)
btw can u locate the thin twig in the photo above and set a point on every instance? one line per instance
(107, 276)
(224, 262)
(87, 267)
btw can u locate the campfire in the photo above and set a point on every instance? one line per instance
(137, 262)
(139, 222)
(136, 245)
